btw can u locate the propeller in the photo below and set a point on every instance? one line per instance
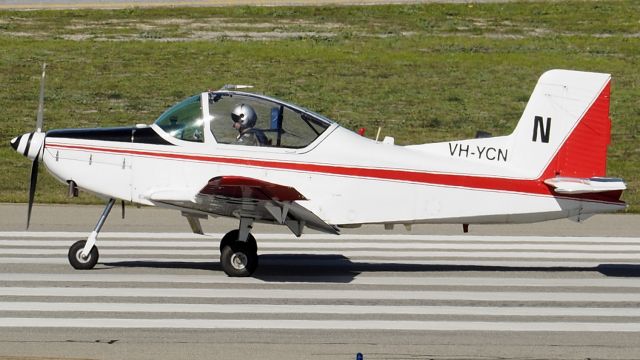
(36, 160)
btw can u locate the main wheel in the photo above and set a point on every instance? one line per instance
(239, 259)
(78, 261)
(232, 236)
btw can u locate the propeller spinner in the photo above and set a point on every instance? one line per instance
(31, 145)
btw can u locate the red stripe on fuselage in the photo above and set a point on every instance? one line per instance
(537, 186)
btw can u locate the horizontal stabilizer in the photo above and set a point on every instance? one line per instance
(569, 185)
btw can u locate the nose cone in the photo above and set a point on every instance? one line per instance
(15, 142)
(29, 144)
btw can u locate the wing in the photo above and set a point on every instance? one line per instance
(237, 196)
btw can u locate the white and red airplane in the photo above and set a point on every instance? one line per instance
(259, 159)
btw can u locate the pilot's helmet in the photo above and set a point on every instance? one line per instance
(245, 115)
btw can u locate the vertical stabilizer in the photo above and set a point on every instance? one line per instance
(565, 127)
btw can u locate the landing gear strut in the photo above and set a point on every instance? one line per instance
(83, 254)
(239, 251)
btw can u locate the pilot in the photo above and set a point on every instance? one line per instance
(244, 119)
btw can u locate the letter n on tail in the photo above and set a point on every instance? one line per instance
(545, 129)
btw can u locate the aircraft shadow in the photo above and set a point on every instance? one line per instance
(619, 270)
(187, 265)
(340, 269)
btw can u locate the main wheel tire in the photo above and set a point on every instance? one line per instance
(239, 259)
(232, 236)
(77, 261)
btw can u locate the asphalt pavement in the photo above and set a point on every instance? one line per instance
(555, 290)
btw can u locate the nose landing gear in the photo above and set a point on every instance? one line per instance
(83, 254)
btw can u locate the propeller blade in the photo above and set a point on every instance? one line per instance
(36, 162)
(32, 188)
(41, 103)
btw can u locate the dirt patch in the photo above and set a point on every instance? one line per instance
(172, 30)
(267, 35)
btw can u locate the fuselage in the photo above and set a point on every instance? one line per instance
(348, 179)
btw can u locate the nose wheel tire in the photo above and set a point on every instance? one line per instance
(239, 259)
(78, 261)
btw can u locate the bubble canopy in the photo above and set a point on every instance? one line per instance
(278, 124)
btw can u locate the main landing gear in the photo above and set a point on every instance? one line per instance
(239, 251)
(83, 254)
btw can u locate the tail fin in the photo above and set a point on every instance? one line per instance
(565, 128)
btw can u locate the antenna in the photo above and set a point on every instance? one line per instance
(378, 134)
(236, 87)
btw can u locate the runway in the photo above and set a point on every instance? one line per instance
(389, 296)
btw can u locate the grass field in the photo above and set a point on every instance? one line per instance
(423, 72)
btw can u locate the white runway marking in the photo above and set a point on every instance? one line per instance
(522, 264)
(91, 292)
(217, 279)
(315, 309)
(317, 324)
(356, 254)
(391, 245)
(369, 285)
(286, 236)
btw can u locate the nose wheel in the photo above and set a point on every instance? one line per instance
(238, 258)
(80, 262)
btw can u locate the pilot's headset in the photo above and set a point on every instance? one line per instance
(245, 115)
